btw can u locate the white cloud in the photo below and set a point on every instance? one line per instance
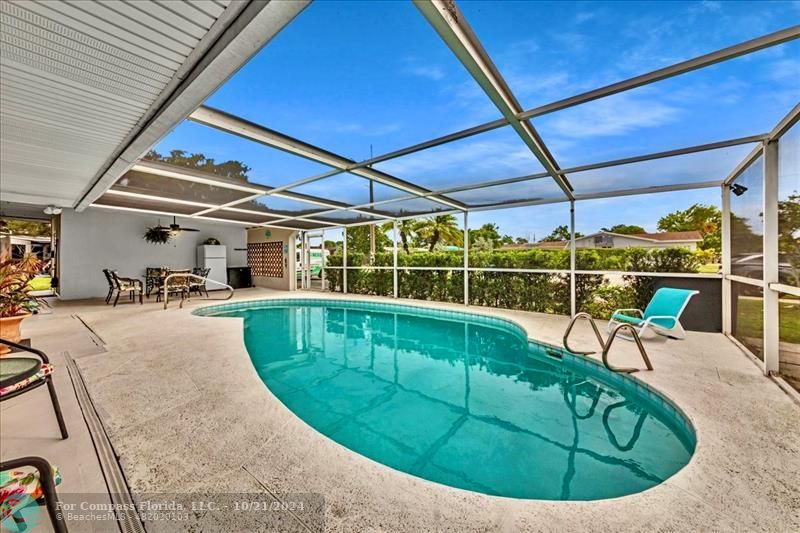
(468, 160)
(355, 128)
(431, 72)
(615, 115)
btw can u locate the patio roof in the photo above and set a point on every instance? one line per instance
(368, 191)
(88, 88)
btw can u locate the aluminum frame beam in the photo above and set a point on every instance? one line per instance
(228, 123)
(242, 30)
(453, 28)
(731, 52)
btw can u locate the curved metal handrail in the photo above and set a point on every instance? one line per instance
(637, 429)
(199, 278)
(571, 403)
(597, 334)
(639, 345)
(605, 345)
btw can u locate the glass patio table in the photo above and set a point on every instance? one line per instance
(15, 369)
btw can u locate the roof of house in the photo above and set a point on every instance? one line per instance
(664, 236)
(671, 236)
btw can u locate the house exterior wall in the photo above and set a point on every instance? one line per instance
(287, 239)
(95, 239)
(627, 242)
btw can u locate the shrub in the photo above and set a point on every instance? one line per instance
(546, 292)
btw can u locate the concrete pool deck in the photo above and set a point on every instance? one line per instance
(186, 412)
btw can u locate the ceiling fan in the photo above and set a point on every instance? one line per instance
(173, 228)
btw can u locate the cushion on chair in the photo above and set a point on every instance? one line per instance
(46, 370)
(619, 317)
(20, 487)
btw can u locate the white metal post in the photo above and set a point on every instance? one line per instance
(322, 247)
(572, 297)
(466, 258)
(770, 210)
(394, 261)
(302, 260)
(726, 260)
(344, 261)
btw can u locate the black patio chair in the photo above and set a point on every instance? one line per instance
(196, 285)
(111, 285)
(130, 285)
(32, 377)
(38, 486)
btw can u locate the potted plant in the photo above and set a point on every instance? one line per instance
(15, 302)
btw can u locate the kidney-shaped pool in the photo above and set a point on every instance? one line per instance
(462, 399)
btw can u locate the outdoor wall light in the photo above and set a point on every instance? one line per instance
(52, 210)
(738, 190)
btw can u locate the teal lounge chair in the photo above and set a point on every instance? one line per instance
(661, 315)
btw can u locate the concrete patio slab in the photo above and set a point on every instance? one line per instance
(186, 411)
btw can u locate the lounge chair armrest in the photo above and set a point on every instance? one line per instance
(28, 349)
(625, 311)
(651, 318)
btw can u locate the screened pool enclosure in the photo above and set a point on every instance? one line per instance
(752, 157)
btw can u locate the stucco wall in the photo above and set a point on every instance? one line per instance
(287, 238)
(100, 238)
(626, 242)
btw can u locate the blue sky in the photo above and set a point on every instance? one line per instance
(358, 78)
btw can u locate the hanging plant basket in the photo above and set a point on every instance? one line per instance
(157, 235)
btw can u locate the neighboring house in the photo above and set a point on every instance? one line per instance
(21, 245)
(606, 239)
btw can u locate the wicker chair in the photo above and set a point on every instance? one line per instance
(196, 285)
(176, 285)
(130, 285)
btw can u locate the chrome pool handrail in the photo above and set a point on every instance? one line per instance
(198, 278)
(605, 345)
(597, 334)
(639, 345)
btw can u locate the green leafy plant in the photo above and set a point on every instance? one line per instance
(14, 278)
(544, 292)
(157, 235)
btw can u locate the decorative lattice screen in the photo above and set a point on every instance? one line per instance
(265, 259)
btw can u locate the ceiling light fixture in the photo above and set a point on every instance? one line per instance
(52, 210)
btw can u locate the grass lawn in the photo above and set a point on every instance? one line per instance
(750, 319)
(711, 268)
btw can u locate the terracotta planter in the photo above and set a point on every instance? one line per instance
(9, 330)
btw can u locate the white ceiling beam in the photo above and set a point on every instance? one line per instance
(241, 31)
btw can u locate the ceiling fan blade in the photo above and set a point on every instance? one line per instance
(189, 229)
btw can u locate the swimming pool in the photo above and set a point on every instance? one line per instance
(462, 399)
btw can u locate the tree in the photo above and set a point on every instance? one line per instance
(407, 230)
(789, 235)
(561, 233)
(490, 233)
(227, 169)
(440, 228)
(31, 228)
(358, 240)
(707, 219)
(521, 240)
(625, 229)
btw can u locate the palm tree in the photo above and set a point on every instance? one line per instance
(440, 228)
(406, 228)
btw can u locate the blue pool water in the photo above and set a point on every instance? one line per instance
(462, 399)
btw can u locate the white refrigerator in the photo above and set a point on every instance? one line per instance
(213, 257)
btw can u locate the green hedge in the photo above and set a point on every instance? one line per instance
(541, 292)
